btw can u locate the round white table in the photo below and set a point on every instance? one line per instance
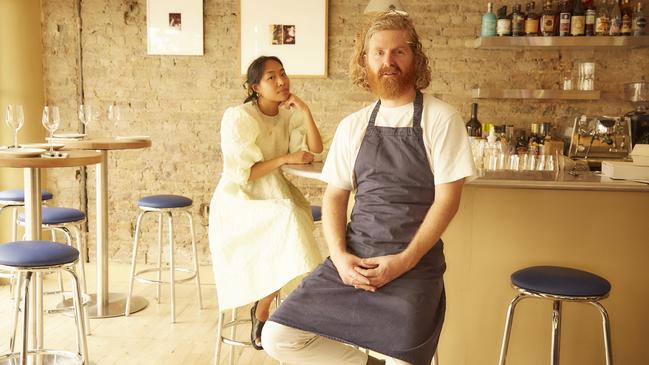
(311, 171)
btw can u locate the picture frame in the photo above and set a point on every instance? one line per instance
(295, 31)
(175, 27)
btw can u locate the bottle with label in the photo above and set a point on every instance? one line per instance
(616, 19)
(518, 21)
(503, 23)
(548, 20)
(578, 20)
(590, 18)
(602, 20)
(488, 22)
(639, 21)
(565, 15)
(531, 20)
(627, 15)
(473, 126)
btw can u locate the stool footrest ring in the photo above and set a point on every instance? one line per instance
(140, 279)
(48, 356)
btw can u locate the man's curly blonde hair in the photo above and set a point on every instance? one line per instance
(390, 20)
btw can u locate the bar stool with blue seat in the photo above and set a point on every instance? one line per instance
(164, 205)
(559, 284)
(14, 199)
(66, 220)
(316, 213)
(24, 259)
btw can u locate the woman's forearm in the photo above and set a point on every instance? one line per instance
(313, 138)
(263, 168)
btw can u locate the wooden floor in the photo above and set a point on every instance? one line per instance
(146, 337)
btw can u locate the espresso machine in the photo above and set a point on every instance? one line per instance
(638, 94)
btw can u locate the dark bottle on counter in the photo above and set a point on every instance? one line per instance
(616, 19)
(565, 15)
(627, 15)
(504, 22)
(549, 20)
(518, 21)
(639, 21)
(590, 18)
(531, 20)
(473, 126)
(602, 20)
(578, 20)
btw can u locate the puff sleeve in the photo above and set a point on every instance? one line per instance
(297, 133)
(239, 133)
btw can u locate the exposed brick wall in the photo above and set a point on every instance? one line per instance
(179, 101)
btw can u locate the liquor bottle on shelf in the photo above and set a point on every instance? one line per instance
(565, 13)
(518, 21)
(627, 15)
(639, 21)
(488, 22)
(549, 20)
(616, 19)
(590, 18)
(504, 22)
(531, 20)
(473, 126)
(602, 20)
(578, 20)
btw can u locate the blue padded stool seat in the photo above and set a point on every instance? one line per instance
(58, 215)
(316, 213)
(164, 201)
(36, 254)
(561, 281)
(18, 195)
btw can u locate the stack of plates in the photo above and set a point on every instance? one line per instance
(21, 152)
(55, 146)
(66, 136)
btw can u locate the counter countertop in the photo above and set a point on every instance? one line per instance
(586, 181)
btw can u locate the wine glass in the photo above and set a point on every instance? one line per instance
(51, 119)
(86, 116)
(15, 118)
(114, 115)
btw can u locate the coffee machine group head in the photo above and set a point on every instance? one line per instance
(638, 94)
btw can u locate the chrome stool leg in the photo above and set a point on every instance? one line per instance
(131, 278)
(195, 253)
(233, 334)
(14, 323)
(556, 332)
(436, 358)
(158, 291)
(80, 317)
(508, 328)
(172, 276)
(219, 333)
(26, 295)
(606, 329)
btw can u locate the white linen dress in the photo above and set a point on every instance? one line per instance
(261, 231)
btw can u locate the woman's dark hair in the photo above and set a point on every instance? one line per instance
(254, 75)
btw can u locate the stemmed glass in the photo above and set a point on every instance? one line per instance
(86, 116)
(114, 115)
(51, 119)
(15, 118)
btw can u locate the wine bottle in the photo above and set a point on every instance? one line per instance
(504, 22)
(473, 126)
(565, 15)
(488, 22)
(531, 20)
(639, 21)
(578, 20)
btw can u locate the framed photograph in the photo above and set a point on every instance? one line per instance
(174, 27)
(293, 30)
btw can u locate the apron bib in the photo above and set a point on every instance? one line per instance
(395, 189)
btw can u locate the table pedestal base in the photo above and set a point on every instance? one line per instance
(115, 308)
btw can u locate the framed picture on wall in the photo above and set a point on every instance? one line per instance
(293, 30)
(174, 27)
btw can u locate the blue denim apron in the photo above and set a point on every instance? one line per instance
(395, 189)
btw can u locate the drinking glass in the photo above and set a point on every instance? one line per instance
(86, 116)
(586, 76)
(51, 119)
(114, 115)
(15, 118)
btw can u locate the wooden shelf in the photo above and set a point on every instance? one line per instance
(561, 42)
(538, 94)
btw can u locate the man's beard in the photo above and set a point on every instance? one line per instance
(391, 86)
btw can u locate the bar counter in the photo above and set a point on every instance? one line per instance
(585, 181)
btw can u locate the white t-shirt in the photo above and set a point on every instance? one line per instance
(445, 140)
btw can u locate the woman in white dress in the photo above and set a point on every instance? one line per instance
(261, 229)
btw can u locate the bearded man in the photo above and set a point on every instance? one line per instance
(405, 157)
